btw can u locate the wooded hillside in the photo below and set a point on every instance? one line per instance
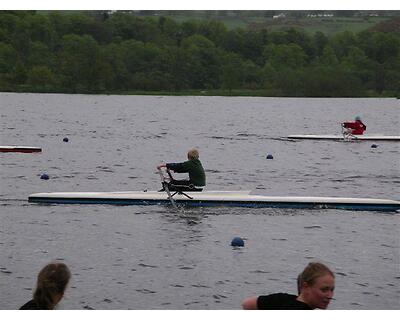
(99, 52)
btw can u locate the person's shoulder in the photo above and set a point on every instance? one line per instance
(196, 161)
(191, 162)
(281, 301)
(280, 295)
(30, 305)
(274, 300)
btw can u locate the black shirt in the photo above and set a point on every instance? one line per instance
(30, 305)
(194, 168)
(281, 301)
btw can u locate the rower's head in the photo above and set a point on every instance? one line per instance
(358, 118)
(193, 154)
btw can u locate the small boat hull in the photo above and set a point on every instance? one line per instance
(215, 198)
(340, 137)
(21, 149)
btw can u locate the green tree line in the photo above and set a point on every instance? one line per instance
(89, 52)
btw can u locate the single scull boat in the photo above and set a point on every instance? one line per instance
(342, 138)
(214, 198)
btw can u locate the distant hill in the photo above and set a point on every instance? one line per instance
(263, 53)
(328, 22)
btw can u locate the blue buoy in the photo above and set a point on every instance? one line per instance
(374, 146)
(237, 242)
(270, 156)
(65, 139)
(44, 176)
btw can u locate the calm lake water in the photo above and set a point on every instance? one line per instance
(137, 257)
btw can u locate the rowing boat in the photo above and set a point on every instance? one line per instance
(214, 198)
(22, 149)
(341, 138)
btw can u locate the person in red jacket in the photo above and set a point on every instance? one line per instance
(354, 128)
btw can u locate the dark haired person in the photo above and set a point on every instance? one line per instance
(51, 284)
(193, 166)
(315, 287)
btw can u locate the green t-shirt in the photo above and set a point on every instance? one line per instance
(195, 169)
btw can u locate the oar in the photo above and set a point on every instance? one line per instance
(165, 185)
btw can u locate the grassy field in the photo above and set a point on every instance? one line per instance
(328, 26)
(230, 23)
(332, 26)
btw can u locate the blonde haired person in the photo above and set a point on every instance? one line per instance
(51, 284)
(315, 287)
(193, 166)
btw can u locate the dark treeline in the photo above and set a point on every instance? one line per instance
(98, 52)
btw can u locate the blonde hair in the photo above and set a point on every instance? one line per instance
(310, 273)
(51, 282)
(193, 154)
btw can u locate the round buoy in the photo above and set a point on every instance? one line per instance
(237, 242)
(374, 146)
(44, 176)
(65, 139)
(270, 156)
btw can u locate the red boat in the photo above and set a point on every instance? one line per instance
(22, 149)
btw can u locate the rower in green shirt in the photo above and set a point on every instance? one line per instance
(197, 177)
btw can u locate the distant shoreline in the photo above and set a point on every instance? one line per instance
(214, 92)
